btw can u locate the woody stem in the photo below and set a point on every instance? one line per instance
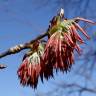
(18, 48)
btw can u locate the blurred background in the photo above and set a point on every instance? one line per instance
(23, 20)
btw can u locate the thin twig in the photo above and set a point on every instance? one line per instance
(2, 66)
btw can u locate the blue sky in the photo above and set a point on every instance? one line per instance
(21, 21)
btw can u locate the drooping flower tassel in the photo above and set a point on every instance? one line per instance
(59, 52)
(30, 69)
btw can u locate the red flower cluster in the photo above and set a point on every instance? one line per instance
(59, 50)
(58, 54)
(29, 70)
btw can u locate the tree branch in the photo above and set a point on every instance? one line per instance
(18, 48)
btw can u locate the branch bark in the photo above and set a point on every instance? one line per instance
(19, 48)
